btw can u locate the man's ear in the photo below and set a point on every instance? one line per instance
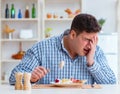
(72, 34)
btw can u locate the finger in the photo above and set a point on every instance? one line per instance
(94, 40)
(39, 72)
(35, 75)
(91, 44)
(44, 70)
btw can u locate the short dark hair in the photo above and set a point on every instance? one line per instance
(85, 22)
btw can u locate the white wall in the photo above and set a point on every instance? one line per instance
(103, 9)
(118, 29)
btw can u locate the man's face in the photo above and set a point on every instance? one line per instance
(81, 43)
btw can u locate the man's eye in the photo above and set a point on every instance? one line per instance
(88, 40)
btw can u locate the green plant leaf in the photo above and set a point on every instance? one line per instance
(47, 30)
(101, 22)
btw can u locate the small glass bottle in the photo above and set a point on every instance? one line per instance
(27, 12)
(19, 14)
(12, 11)
(33, 11)
(7, 11)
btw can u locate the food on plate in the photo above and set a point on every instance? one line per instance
(57, 80)
(66, 81)
(76, 80)
(63, 81)
(69, 81)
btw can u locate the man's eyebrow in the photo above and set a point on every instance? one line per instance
(88, 39)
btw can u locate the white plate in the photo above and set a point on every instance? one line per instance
(66, 85)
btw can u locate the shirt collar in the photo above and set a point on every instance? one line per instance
(60, 42)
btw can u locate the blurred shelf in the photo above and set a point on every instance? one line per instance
(59, 19)
(18, 40)
(22, 19)
(10, 60)
(60, 1)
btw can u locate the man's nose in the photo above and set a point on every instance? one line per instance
(88, 45)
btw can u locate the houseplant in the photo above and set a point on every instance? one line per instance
(48, 32)
(101, 22)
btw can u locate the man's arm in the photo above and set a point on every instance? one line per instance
(100, 69)
(27, 64)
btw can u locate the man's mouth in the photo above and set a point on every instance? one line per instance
(86, 51)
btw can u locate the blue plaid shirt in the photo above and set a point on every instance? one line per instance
(50, 52)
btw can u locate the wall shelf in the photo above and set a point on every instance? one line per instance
(19, 40)
(22, 19)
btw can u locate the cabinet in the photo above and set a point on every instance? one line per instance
(27, 31)
(13, 42)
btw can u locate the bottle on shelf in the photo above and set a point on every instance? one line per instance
(27, 15)
(33, 11)
(19, 14)
(12, 11)
(7, 11)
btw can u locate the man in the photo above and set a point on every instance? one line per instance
(77, 48)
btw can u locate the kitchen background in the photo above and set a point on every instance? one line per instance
(36, 20)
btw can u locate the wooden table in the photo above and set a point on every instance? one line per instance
(106, 89)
